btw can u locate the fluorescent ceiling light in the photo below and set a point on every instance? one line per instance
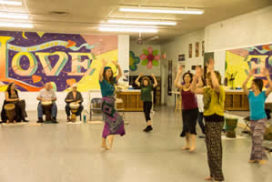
(141, 22)
(13, 15)
(127, 29)
(162, 10)
(14, 3)
(16, 25)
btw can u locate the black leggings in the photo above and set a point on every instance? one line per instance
(147, 109)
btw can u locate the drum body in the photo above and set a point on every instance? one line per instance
(47, 110)
(231, 124)
(10, 111)
(74, 108)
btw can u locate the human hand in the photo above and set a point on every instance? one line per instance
(252, 72)
(115, 63)
(210, 65)
(266, 72)
(198, 71)
(180, 69)
(104, 62)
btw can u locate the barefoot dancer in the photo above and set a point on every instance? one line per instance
(189, 109)
(213, 98)
(114, 123)
(258, 116)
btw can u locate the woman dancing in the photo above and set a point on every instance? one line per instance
(214, 99)
(189, 109)
(114, 123)
(258, 117)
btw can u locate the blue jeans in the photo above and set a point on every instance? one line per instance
(53, 110)
(200, 122)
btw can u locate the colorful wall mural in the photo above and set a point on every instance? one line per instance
(133, 61)
(31, 59)
(240, 61)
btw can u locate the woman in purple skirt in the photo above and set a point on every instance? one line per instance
(114, 123)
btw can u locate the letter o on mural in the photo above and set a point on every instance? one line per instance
(16, 64)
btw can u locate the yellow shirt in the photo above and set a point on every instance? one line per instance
(215, 101)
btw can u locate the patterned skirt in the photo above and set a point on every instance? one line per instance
(257, 129)
(114, 123)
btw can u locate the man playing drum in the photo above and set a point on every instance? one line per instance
(47, 97)
(73, 98)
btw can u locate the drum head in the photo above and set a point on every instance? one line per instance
(9, 107)
(46, 103)
(74, 105)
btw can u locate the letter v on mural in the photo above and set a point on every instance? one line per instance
(30, 59)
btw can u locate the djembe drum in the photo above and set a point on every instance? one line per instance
(74, 108)
(46, 106)
(10, 112)
(231, 124)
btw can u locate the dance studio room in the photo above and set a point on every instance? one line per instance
(135, 90)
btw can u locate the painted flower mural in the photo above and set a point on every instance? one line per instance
(150, 57)
(133, 61)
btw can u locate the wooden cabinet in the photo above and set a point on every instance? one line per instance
(131, 101)
(236, 101)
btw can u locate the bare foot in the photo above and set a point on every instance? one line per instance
(103, 145)
(208, 178)
(262, 162)
(185, 148)
(192, 149)
(252, 161)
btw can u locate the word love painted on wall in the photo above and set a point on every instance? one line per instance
(49, 70)
(34, 58)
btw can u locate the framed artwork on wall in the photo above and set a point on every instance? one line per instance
(190, 50)
(181, 57)
(197, 49)
(203, 47)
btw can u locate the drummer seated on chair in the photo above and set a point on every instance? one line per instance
(12, 97)
(73, 96)
(45, 95)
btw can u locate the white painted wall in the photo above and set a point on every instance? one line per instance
(241, 31)
(30, 97)
(174, 48)
(246, 30)
(123, 52)
(138, 50)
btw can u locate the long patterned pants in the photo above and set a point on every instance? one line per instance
(214, 149)
(257, 130)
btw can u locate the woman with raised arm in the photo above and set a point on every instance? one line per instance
(189, 109)
(146, 96)
(114, 123)
(258, 117)
(213, 98)
(200, 104)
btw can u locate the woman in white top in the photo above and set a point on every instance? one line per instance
(200, 104)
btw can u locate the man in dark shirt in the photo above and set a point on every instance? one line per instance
(73, 96)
